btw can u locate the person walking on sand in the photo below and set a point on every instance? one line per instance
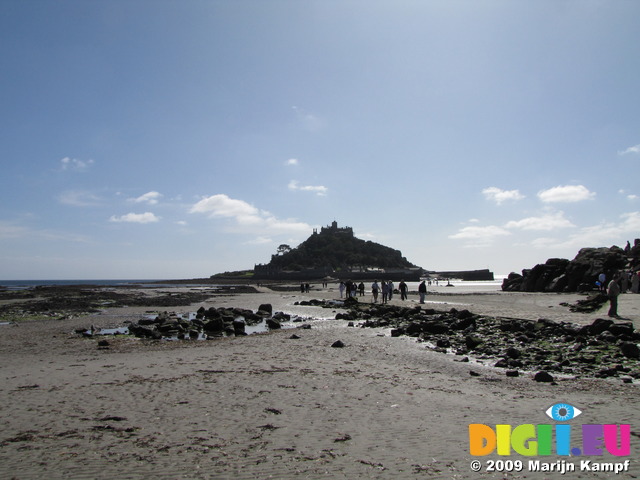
(374, 291)
(403, 290)
(422, 290)
(361, 289)
(613, 291)
(341, 288)
(390, 285)
(385, 292)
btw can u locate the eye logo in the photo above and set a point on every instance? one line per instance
(561, 412)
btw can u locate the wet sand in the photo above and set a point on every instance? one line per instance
(272, 406)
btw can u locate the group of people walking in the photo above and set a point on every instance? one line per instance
(384, 289)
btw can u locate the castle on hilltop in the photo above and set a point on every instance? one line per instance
(333, 229)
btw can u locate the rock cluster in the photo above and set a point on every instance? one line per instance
(208, 323)
(577, 275)
(602, 349)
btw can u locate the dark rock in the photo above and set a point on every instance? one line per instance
(472, 341)
(599, 325)
(282, 317)
(543, 377)
(622, 329)
(266, 307)
(144, 332)
(103, 343)
(239, 326)
(273, 324)
(294, 337)
(215, 325)
(397, 332)
(337, 344)
(502, 363)
(513, 352)
(512, 373)
(557, 274)
(630, 349)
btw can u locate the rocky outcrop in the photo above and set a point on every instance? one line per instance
(577, 275)
(603, 348)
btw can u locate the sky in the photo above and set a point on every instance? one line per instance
(154, 139)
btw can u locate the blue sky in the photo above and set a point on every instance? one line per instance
(167, 139)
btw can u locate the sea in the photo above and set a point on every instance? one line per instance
(26, 284)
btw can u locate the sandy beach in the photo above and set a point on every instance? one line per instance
(275, 406)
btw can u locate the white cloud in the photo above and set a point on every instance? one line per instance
(8, 230)
(78, 198)
(221, 205)
(544, 222)
(259, 241)
(635, 149)
(565, 193)
(498, 195)
(318, 189)
(604, 234)
(146, 217)
(292, 161)
(68, 163)
(248, 218)
(481, 236)
(150, 198)
(629, 196)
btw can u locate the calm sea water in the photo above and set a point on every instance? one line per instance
(22, 284)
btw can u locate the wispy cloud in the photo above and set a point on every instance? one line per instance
(549, 221)
(292, 161)
(480, 236)
(79, 198)
(604, 234)
(68, 163)
(146, 217)
(10, 230)
(498, 195)
(247, 218)
(566, 194)
(150, 198)
(307, 120)
(631, 150)
(318, 189)
(259, 241)
(629, 196)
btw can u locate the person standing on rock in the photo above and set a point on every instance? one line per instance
(613, 291)
(422, 290)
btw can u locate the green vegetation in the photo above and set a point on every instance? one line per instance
(241, 274)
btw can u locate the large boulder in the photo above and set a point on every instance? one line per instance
(561, 275)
